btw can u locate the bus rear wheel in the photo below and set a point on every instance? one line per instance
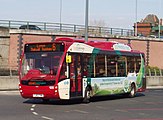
(133, 91)
(87, 95)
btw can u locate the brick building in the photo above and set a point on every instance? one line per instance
(149, 26)
(150, 46)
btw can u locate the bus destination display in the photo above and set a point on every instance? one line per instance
(44, 47)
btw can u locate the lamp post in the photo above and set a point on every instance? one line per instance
(60, 11)
(86, 20)
(159, 24)
(136, 29)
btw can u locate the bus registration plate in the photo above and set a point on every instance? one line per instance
(38, 95)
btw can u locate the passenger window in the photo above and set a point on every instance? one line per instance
(111, 66)
(138, 64)
(122, 66)
(100, 66)
(130, 64)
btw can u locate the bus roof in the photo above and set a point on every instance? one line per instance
(103, 45)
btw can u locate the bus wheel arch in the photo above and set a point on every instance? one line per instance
(87, 95)
(132, 90)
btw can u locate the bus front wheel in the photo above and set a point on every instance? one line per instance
(133, 91)
(87, 95)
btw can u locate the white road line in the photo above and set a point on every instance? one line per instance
(33, 106)
(47, 118)
(35, 113)
(84, 104)
(80, 111)
(120, 110)
(32, 109)
(100, 107)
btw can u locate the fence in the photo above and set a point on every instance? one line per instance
(68, 28)
(154, 72)
(8, 71)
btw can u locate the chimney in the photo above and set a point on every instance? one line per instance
(161, 21)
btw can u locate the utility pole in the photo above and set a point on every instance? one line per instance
(60, 11)
(136, 26)
(86, 21)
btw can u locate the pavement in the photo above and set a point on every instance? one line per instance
(154, 87)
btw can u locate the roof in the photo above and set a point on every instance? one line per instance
(151, 18)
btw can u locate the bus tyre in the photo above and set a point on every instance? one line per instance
(133, 91)
(87, 95)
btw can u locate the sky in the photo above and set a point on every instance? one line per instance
(113, 13)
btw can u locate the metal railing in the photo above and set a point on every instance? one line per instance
(8, 71)
(154, 72)
(11, 24)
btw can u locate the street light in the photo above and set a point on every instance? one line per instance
(159, 25)
(60, 11)
(86, 20)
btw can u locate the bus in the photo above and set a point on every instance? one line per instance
(72, 68)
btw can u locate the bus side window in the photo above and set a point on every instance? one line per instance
(100, 65)
(130, 64)
(121, 66)
(88, 65)
(138, 64)
(111, 66)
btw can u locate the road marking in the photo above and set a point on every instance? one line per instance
(100, 107)
(47, 118)
(35, 113)
(80, 111)
(120, 110)
(146, 109)
(151, 103)
(33, 106)
(32, 109)
(84, 104)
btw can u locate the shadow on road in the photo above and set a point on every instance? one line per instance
(79, 101)
(114, 97)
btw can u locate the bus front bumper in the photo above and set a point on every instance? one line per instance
(43, 92)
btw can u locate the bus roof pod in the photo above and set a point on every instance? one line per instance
(70, 40)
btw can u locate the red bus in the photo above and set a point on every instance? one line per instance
(72, 68)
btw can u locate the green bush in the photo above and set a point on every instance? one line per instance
(153, 70)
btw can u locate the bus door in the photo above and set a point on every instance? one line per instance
(76, 73)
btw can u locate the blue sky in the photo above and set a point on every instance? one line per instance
(114, 13)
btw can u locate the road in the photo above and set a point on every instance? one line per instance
(145, 106)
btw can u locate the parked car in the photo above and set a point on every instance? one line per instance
(30, 27)
(153, 36)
